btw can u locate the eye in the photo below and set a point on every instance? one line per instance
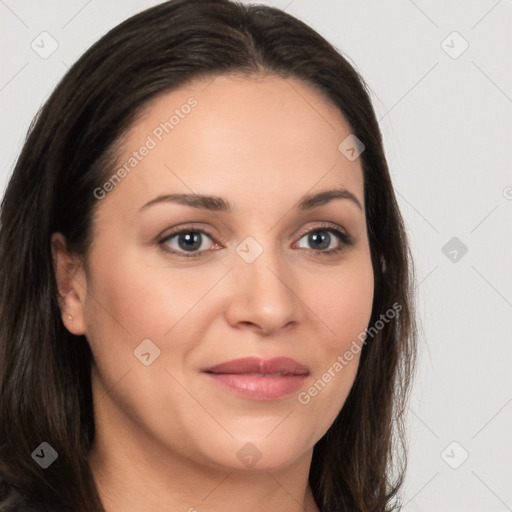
(188, 241)
(325, 240)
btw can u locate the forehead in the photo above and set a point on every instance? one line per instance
(257, 137)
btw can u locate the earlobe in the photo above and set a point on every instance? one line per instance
(71, 285)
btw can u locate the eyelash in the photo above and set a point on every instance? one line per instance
(345, 239)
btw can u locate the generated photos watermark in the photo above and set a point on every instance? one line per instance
(304, 397)
(157, 135)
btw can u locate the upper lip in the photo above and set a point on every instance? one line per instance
(275, 365)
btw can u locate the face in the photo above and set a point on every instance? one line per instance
(178, 286)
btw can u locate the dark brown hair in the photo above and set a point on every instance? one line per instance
(45, 386)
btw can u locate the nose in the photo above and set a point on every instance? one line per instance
(263, 294)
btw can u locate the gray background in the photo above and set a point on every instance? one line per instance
(447, 126)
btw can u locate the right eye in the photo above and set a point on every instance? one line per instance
(187, 241)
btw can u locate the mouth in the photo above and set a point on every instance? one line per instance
(259, 379)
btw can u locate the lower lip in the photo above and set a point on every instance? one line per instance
(258, 387)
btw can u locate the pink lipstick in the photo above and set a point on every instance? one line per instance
(259, 379)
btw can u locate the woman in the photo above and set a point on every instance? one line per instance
(205, 286)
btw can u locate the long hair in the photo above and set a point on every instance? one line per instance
(45, 382)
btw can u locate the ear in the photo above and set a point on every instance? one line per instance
(71, 284)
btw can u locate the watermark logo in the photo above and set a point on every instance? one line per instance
(351, 147)
(44, 45)
(45, 455)
(454, 45)
(454, 455)
(249, 454)
(146, 352)
(454, 249)
(249, 249)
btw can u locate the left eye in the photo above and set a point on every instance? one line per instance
(322, 239)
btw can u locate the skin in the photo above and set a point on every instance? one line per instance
(166, 437)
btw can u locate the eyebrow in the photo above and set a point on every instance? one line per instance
(218, 204)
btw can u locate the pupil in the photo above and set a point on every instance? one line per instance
(190, 241)
(321, 239)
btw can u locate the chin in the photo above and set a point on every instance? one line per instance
(262, 452)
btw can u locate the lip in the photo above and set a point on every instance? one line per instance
(259, 379)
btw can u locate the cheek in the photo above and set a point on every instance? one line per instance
(346, 305)
(139, 301)
(125, 306)
(345, 308)
(133, 302)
